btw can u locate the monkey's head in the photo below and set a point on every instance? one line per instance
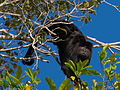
(58, 28)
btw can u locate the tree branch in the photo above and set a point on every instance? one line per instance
(114, 45)
(8, 2)
(9, 49)
(8, 13)
(14, 37)
(116, 7)
(13, 57)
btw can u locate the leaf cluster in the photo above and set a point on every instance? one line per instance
(110, 65)
(16, 81)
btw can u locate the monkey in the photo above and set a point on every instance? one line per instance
(71, 43)
(29, 54)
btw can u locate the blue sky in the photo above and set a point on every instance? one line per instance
(104, 27)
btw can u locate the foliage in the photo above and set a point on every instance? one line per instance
(110, 68)
(19, 22)
(65, 85)
(79, 69)
(16, 81)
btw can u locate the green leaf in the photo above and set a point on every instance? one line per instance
(118, 62)
(89, 18)
(37, 81)
(51, 83)
(10, 81)
(7, 78)
(108, 71)
(82, 65)
(71, 65)
(1, 46)
(18, 72)
(85, 63)
(92, 11)
(96, 4)
(103, 55)
(86, 20)
(30, 73)
(105, 62)
(117, 76)
(91, 72)
(117, 85)
(15, 79)
(65, 85)
(111, 76)
(98, 87)
(112, 58)
(106, 47)
(86, 4)
(117, 53)
(79, 66)
(22, 78)
(82, 18)
(113, 67)
(4, 83)
(33, 76)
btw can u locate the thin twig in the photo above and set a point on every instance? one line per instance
(13, 57)
(116, 7)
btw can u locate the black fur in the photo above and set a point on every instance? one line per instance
(72, 45)
(29, 54)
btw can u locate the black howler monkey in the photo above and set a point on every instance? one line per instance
(72, 45)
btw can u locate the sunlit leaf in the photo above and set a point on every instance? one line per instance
(4, 83)
(117, 85)
(103, 53)
(96, 4)
(98, 87)
(65, 85)
(15, 79)
(30, 73)
(91, 72)
(71, 65)
(118, 62)
(106, 47)
(86, 4)
(82, 65)
(117, 53)
(79, 66)
(117, 76)
(113, 67)
(111, 76)
(51, 83)
(23, 77)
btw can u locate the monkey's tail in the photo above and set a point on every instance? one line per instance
(29, 54)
